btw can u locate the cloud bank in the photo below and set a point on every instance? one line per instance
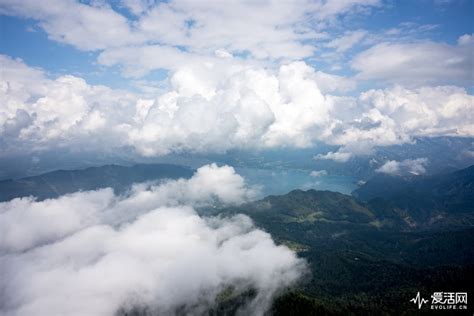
(208, 108)
(94, 253)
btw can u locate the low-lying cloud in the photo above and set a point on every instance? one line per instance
(94, 253)
(404, 167)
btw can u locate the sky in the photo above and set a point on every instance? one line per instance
(159, 77)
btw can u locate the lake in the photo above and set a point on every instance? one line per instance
(281, 181)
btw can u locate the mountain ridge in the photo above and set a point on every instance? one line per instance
(59, 182)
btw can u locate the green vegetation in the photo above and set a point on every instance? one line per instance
(371, 258)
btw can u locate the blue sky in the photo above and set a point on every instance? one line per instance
(184, 76)
(22, 37)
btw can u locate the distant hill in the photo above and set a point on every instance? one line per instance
(447, 185)
(423, 201)
(57, 183)
(444, 153)
(314, 205)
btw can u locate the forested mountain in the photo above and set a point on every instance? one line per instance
(375, 255)
(422, 202)
(446, 186)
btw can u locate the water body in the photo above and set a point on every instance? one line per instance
(281, 181)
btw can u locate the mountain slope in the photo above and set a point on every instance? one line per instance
(422, 202)
(363, 257)
(458, 184)
(56, 183)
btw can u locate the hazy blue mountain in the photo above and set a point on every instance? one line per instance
(443, 153)
(56, 183)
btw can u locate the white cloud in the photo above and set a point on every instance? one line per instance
(270, 30)
(40, 113)
(407, 166)
(91, 253)
(397, 115)
(405, 32)
(136, 7)
(426, 111)
(417, 63)
(56, 218)
(347, 41)
(206, 27)
(334, 83)
(338, 156)
(466, 39)
(208, 108)
(28, 224)
(210, 183)
(87, 27)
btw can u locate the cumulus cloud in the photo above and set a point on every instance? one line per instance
(209, 185)
(396, 115)
(417, 63)
(38, 112)
(407, 166)
(426, 111)
(249, 109)
(94, 253)
(203, 111)
(208, 108)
